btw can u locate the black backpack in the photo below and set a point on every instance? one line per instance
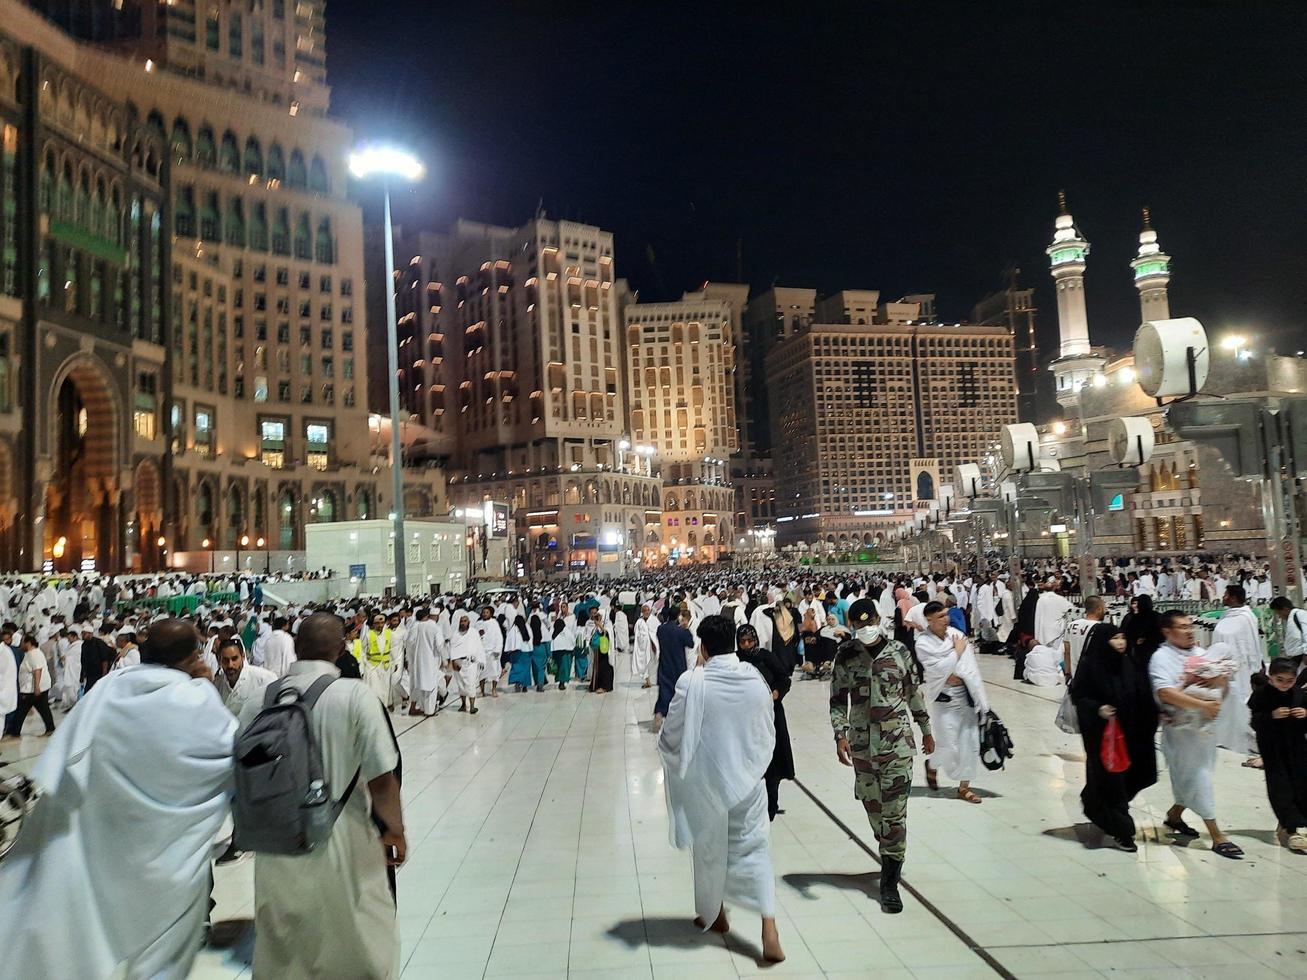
(282, 802)
(995, 742)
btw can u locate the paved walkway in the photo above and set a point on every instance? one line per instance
(538, 847)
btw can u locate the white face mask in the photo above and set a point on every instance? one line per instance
(868, 634)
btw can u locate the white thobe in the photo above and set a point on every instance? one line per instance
(300, 931)
(762, 625)
(70, 673)
(249, 687)
(425, 641)
(955, 722)
(8, 680)
(492, 646)
(110, 875)
(1043, 666)
(716, 744)
(1050, 619)
(985, 613)
(1238, 628)
(278, 652)
(1189, 750)
(646, 647)
(465, 656)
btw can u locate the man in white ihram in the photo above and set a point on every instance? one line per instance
(425, 644)
(645, 656)
(135, 786)
(1238, 628)
(955, 699)
(716, 743)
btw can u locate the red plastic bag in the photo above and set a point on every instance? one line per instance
(1113, 751)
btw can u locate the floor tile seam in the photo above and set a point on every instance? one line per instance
(958, 932)
(481, 826)
(1147, 939)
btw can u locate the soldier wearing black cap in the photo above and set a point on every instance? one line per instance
(873, 689)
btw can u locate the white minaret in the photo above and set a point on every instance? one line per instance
(1076, 364)
(1152, 274)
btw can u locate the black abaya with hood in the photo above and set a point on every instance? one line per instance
(1105, 676)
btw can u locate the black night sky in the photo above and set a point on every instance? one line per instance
(903, 146)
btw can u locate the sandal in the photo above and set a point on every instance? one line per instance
(1228, 849)
(1181, 828)
(966, 794)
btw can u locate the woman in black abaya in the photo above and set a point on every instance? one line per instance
(1111, 681)
(777, 676)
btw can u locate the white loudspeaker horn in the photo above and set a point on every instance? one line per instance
(1008, 490)
(1162, 357)
(1019, 446)
(1130, 441)
(969, 482)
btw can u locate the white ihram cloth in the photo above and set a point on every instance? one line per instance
(1050, 619)
(249, 686)
(492, 646)
(645, 654)
(328, 914)
(1043, 666)
(110, 874)
(278, 652)
(716, 744)
(8, 680)
(1238, 629)
(954, 723)
(1189, 750)
(425, 640)
(985, 611)
(466, 654)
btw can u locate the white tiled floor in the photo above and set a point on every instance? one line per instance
(538, 847)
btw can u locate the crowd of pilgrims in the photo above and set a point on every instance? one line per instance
(897, 649)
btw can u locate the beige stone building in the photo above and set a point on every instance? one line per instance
(680, 363)
(511, 359)
(867, 419)
(212, 392)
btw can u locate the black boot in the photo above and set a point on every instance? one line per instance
(890, 870)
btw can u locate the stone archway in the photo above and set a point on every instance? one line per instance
(148, 494)
(82, 493)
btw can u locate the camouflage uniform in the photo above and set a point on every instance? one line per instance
(871, 695)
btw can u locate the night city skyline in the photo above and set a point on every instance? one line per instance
(916, 149)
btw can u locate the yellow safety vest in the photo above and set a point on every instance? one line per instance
(378, 653)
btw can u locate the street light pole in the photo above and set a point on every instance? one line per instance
(387, 163)
(396, 448)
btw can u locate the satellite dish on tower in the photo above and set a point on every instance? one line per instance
(1130, 441)
(1019, 446)
(1171, 357)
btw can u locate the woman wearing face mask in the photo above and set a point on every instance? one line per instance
(778, 679)
(874, 693)
(1111, 681)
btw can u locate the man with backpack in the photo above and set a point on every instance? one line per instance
(1295, 629)
(325, 911)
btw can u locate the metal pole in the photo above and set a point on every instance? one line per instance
(1088, 567)
(396, 451)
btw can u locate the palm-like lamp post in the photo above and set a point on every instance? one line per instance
(388, 162)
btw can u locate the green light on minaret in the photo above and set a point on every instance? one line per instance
(1145, 269)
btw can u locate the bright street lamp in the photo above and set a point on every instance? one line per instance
(388, 162)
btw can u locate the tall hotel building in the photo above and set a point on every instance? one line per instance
(181, 271)
(680, 363)
(867, 418)
(511, 358)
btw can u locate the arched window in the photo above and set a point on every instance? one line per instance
(181, 140)
(64, 209)
(229, 157)
(206, 153)
(326, 504)
(253, 156)
(235, 223)
(296, 175)
(47, 184)
(287, 520)
(211, 218)
(363, 504)
(95, 224)
(325, 245)
(259, 227)
(204, 506)
(925, 486)
(275, 164)
(281, 232)
(303, 238)
(183, 217)
(318, 175)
